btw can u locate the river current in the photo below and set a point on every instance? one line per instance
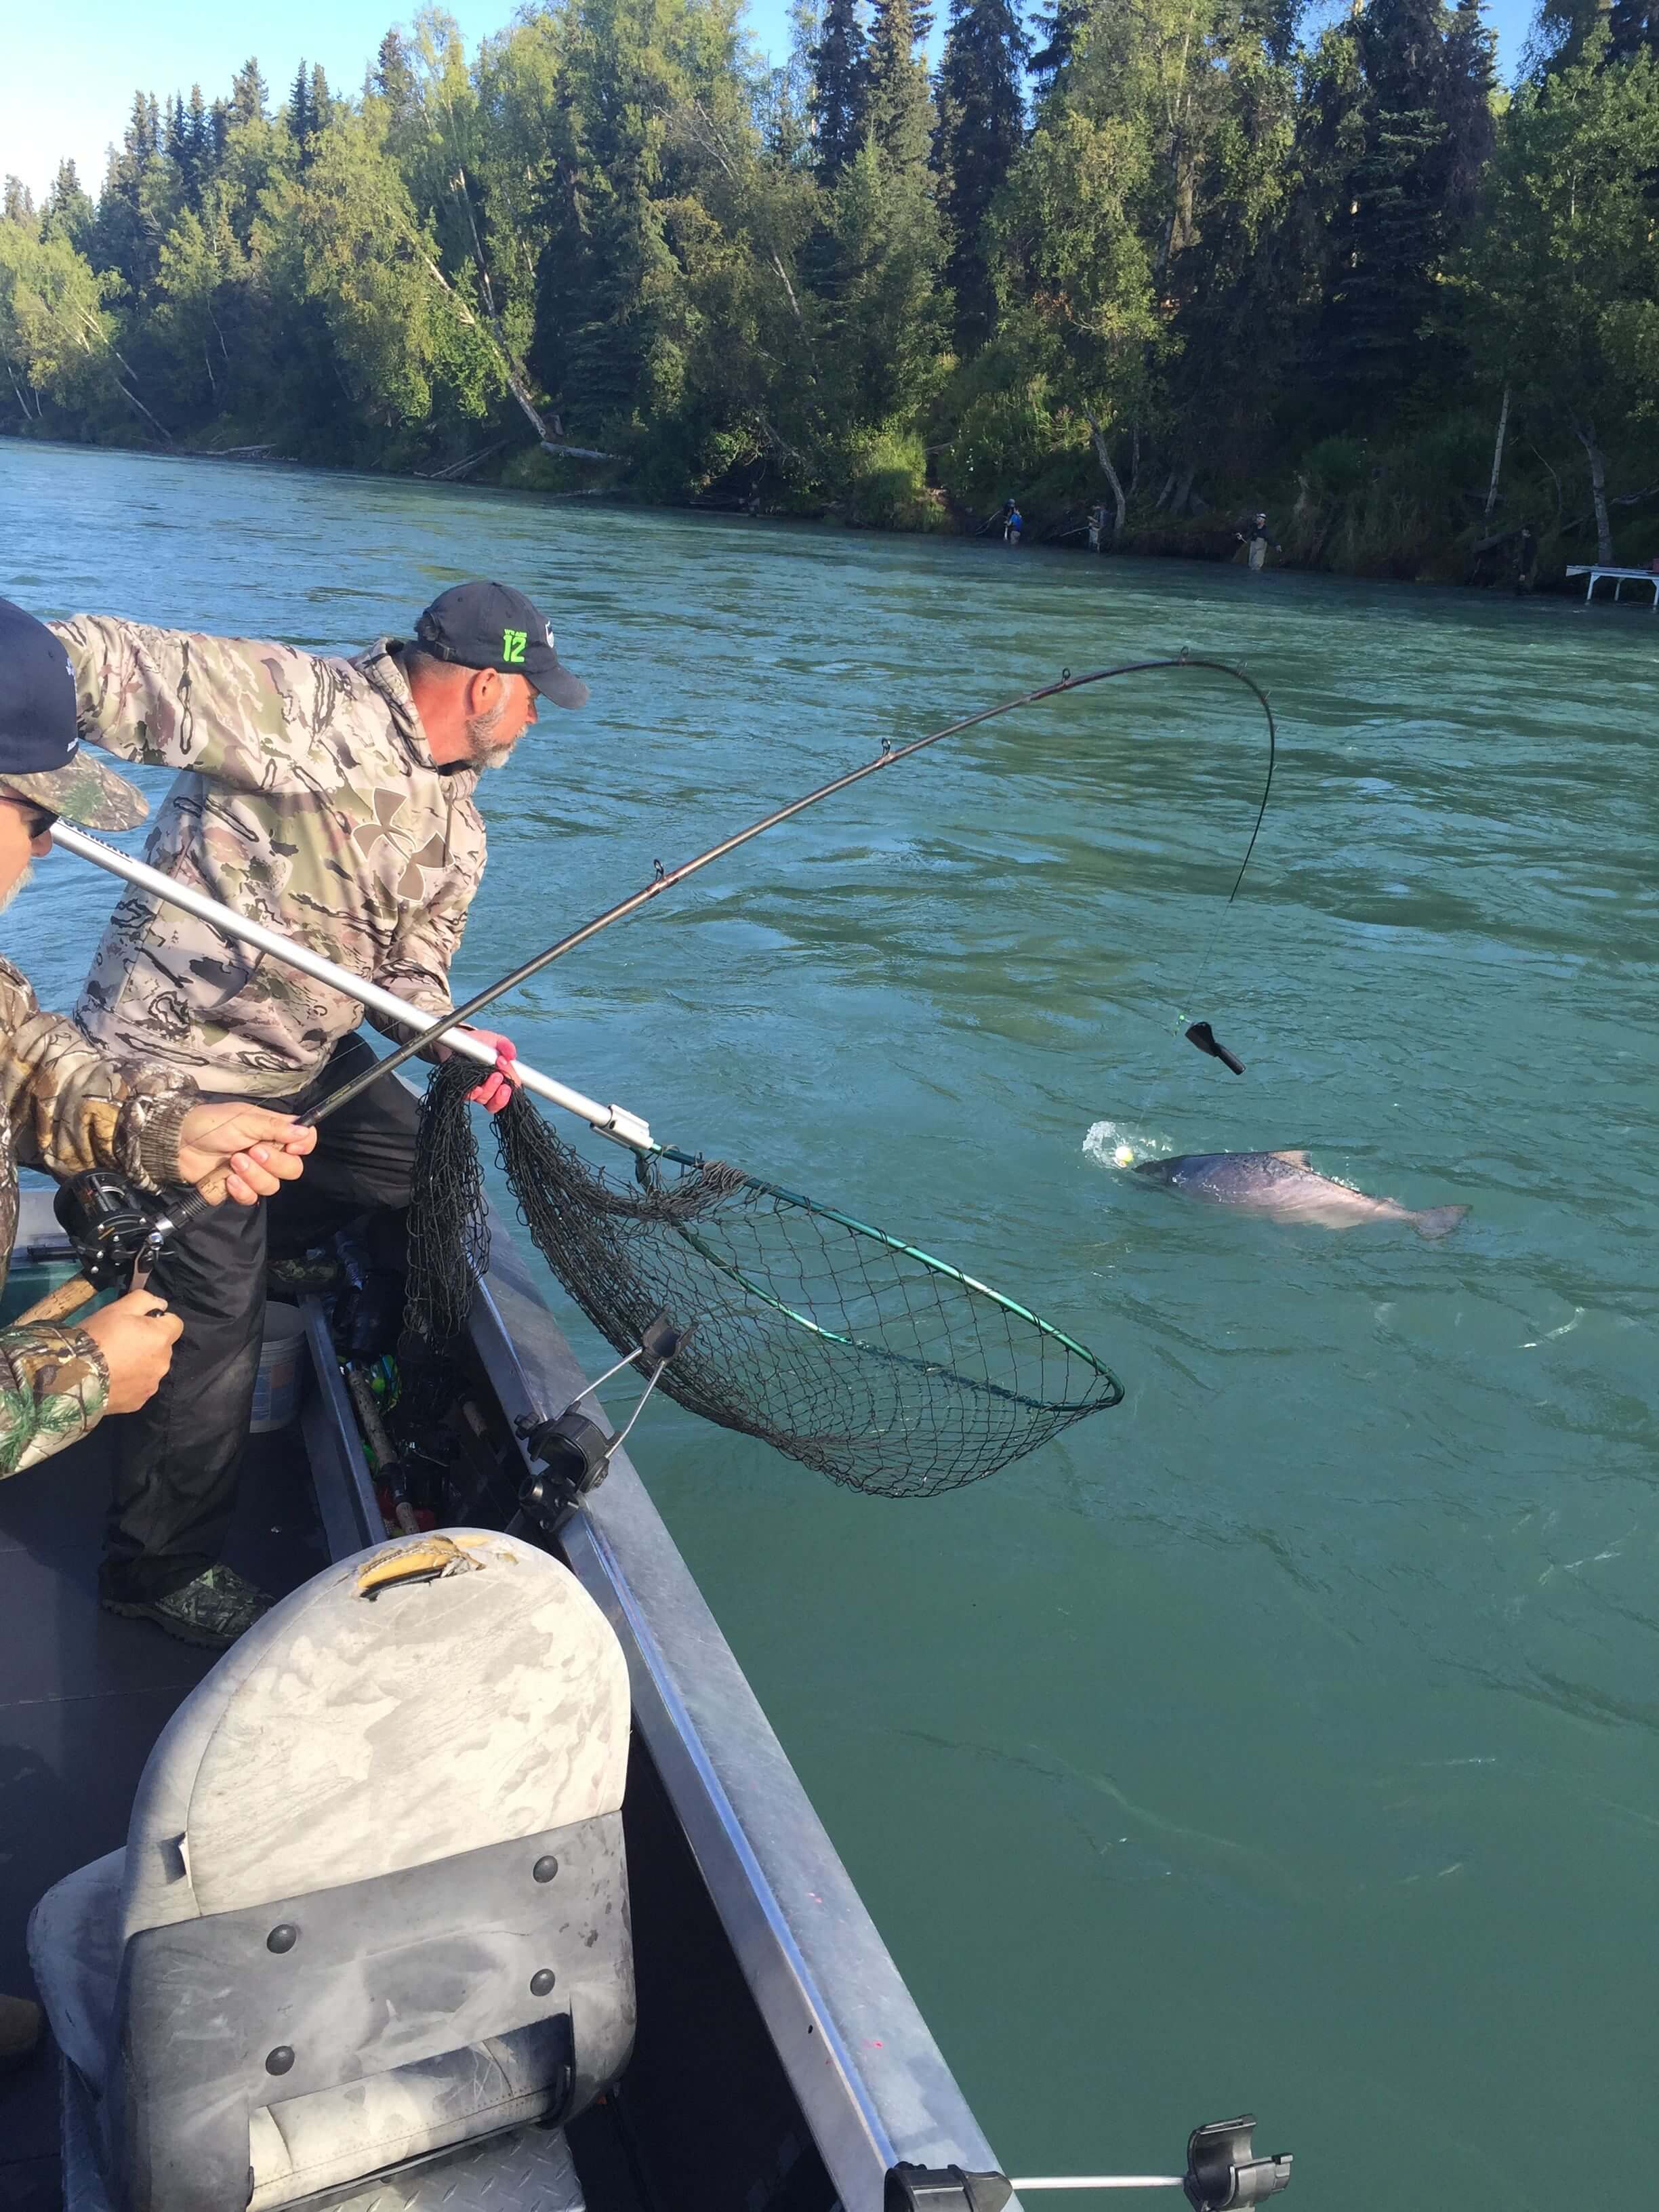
(1288, 1739)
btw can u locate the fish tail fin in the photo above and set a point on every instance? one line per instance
(1438, 1220)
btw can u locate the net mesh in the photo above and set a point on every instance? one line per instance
(852, 1353)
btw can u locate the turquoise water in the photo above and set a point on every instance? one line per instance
(1284, 1740)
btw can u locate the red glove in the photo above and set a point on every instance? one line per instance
(498, 1086)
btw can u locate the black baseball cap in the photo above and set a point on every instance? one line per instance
(40, 755)
(492, 626)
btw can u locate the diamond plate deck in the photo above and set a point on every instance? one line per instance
(532, 2167)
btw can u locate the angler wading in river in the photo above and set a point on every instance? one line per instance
(332, 798)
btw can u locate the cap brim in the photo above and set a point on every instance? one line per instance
(545, 670)
(85, 791)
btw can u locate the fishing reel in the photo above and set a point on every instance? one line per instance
(111, 1225)
(1222, 2175)
(575, 1451)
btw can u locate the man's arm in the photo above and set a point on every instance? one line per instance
(53, 1389)
(245, 711)
(70, 1109)
(416, 966)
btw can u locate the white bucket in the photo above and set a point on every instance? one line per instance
(281, 1363)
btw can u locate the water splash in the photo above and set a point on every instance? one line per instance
(1121, 1143)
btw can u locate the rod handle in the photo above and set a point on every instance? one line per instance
(68, 1297)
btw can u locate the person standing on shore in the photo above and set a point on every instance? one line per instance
(332, 799)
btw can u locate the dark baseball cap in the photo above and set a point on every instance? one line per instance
(40, 755)
(492, 626)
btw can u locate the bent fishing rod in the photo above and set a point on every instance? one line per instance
(1198, 1033)
(113, 1231)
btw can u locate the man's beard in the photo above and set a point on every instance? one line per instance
(480, 729)
(6, 897)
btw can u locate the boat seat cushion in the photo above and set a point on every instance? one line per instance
(363, 1727)
(431, 1699)
(305, 2144)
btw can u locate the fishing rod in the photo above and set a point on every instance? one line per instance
(114, 1233)
(1198, 1033)
(111, 1231)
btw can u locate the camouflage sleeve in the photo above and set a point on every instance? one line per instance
(70, 1109)
(241, 710)
(53, 1389)
(417, 966)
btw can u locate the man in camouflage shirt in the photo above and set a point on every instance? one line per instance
(332, 800)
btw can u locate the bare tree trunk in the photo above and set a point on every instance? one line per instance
(17, 388)
(1585, 434)
(1110, 473)
(1497, 453)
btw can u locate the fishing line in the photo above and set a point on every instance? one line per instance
(1198, 1033)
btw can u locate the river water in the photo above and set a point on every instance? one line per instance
(1286, 1739)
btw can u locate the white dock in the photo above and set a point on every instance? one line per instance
(1621, 577)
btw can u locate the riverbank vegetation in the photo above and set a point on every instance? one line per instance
(1178, 258)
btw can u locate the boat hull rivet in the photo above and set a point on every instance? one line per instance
(544, 1870)
(540, 1983)
(280, 2060)
(281, 1938)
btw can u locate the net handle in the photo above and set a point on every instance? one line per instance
(611, 1121)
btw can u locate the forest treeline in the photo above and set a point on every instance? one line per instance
(1181, 258)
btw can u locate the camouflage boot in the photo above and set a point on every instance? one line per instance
(212, 1611)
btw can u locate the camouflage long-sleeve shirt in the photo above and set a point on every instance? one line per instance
(310, 802)
(63, 1106)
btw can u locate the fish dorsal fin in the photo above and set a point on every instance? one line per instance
(1294, 1159)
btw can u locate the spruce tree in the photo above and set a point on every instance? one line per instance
(301, 122)
(394, 78)
(69, 212)
(900, 111)
(17, 205)
(248, 94)
(982, 118)
(1056, 28)
(1427, 79)
(839, 88)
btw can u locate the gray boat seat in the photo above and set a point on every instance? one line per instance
(372, 1904)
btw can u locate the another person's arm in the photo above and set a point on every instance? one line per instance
(244, 711)
(70, 1109)
(58, 1379)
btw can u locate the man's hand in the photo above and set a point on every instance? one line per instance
(136, 1335)
(241, 1152)
(503, 1080)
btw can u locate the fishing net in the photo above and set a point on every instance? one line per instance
(850, 1352)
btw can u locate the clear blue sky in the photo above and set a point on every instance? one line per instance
(69, 78)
